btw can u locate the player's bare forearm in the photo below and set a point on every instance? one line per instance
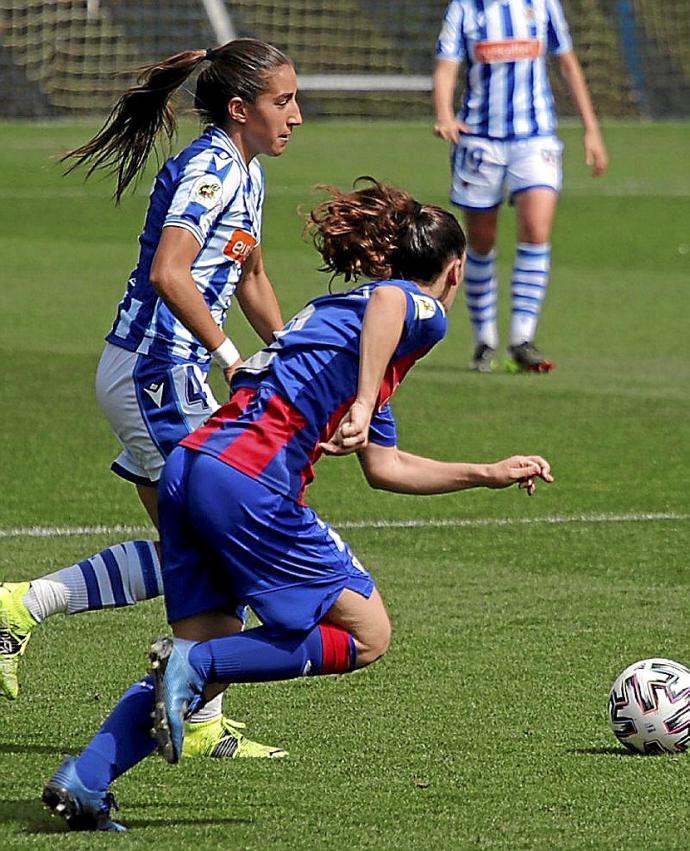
(571, 71)
(384, 319)
(596, 154)
(389, 468)
(257, 298)
(172, 279)
(445, 81)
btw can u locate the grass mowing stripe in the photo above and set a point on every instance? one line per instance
(465, 523)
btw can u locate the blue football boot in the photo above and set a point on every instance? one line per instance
(178, 693)
(81, 808)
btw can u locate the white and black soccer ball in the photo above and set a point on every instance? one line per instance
(649, 707)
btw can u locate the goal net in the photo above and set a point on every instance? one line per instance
(355, 58)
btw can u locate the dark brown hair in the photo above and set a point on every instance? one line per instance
(381, 232)
(240, 68)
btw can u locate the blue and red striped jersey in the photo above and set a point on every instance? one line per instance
(291, 395)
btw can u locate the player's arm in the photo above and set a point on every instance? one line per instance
(596, 155)
(389, 468)
(257, 298)
(447, 126)
(384, 320)
(171, 277)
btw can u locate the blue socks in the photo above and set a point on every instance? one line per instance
(123, 740)
(254, 656)
(257, 655)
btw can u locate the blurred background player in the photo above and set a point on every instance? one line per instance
(200, 247)
(504, 141)
(235, 487)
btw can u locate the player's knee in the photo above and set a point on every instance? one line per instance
(534, 233)
(374, 644)
(483, 241)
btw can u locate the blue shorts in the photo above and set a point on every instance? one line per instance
(229, 540)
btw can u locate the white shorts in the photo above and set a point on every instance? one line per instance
(484, 169)
(150, 405)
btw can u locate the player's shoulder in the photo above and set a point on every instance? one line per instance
(458, 9)
(421, 306)
(212, 153)
(414, 294)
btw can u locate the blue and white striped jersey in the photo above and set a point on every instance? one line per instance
(210, 191)
(504, 44)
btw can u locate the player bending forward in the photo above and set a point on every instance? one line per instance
(234, 490)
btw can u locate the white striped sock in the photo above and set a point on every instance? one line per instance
(120, 575)
(481, 295)
(528, 289)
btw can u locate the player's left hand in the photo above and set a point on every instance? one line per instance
(524, 466)
(229, 371)
(352, 433)
(596, 155)
(522, 470)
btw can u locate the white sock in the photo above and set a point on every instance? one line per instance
(212, 710)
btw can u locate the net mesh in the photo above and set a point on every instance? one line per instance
(61, 57)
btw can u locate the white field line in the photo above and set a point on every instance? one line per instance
(453, 523)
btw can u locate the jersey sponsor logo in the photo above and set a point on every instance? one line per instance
(424, 307)
(207, 191)
(510, 50)
(239, 246)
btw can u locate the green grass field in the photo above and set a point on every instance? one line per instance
(485, 726)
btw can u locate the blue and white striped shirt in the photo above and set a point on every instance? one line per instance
(210, 191)
(504, 44)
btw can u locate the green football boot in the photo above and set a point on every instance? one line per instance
(526, 357)
(16, 624)
(222, 738)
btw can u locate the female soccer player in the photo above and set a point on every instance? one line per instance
(504, 140)
(234, 489)
(200, 246)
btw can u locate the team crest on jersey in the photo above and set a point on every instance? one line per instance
(424, 307)
(550, 156)
(207, 191)
(239, 246)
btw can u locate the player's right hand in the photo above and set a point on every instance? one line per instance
(450, 130)
(352, 433)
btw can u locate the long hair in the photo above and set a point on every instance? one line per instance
(380, 231)
(240, 68)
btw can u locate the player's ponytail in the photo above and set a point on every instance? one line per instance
(380, 231)
(240, 68)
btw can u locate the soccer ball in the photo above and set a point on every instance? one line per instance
(649, 707)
